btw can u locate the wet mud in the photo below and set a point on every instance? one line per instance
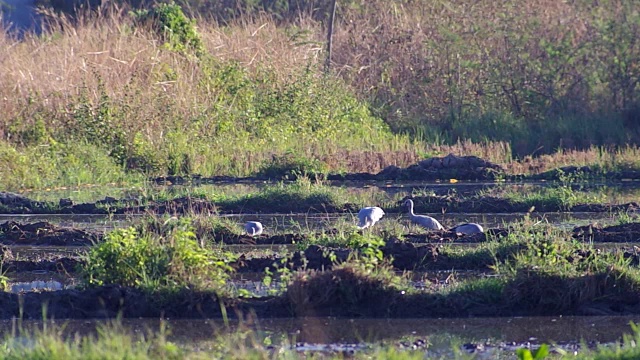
(452, 203)
(113, 301)
(44, 233)
(339, 293)
(617, 233)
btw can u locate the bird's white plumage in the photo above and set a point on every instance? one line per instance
(253, 228)
(422, 220)
(368, 216)
(468, 229)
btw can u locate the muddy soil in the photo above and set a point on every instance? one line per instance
(188, 205)
(339, 293)
(110, 301)
(436, 168)
(44, 233)
(618, 233)
(62, 264)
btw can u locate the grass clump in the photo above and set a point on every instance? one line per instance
(300, 196)
(173, 260)
(350, 288)
(292, 167)
(110, 342)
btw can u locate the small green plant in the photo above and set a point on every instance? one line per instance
(282, 274)
(526, 354)
(624, 217)
(368, 249)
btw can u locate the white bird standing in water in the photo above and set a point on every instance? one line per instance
(253, 228)
(468, 229)
(423, 220)
(369, 216)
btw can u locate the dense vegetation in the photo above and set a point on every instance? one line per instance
(113, 93)
(510, 71)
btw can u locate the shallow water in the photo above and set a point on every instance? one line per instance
(304, 223)
(439, 336)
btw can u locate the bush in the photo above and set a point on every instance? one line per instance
(170, 22)
(130, 257)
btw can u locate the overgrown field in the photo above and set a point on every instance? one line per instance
(108, 96)
(192, 263)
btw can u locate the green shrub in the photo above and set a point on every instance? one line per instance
(149, 261)
(170, 22)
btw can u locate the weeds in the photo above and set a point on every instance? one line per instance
(155, 262)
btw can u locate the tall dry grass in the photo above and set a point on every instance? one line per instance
(469, 78)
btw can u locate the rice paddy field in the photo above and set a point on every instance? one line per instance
(138, 141)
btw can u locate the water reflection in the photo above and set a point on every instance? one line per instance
(348, 331)
(301, 223)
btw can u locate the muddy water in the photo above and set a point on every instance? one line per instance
(301, 223)
(438, 335)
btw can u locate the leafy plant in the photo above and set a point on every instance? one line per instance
(150, 261)
(170, 22)
(538, 354)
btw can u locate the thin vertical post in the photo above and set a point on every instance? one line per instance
(327, 64)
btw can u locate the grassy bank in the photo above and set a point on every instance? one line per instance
(317, 197)
(534, 75)
(172, 105)
(100, 99)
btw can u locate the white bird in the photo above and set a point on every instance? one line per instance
(253, 228)
(369, 216)
(468, 229)
(422, 220)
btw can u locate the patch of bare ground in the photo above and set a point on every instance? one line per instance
(617, 233)
(59, 263)
(44, 233)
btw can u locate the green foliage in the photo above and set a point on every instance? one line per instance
(97, 125)
(290, 167)
(170, 22)
(369, 253)
(110, 342)
(300, 196)
(154, 262)
(58, 164)
(538, 354)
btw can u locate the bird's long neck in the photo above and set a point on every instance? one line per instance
(411, 210)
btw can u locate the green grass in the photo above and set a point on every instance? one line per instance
(113, 341)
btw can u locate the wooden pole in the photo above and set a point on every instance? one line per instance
(327, 64)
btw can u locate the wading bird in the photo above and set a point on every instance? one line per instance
(468, 229)
(369, 216)
(253, 228)
(423, 220)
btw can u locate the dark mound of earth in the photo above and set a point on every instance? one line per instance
(43, 233)
(617, 233)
